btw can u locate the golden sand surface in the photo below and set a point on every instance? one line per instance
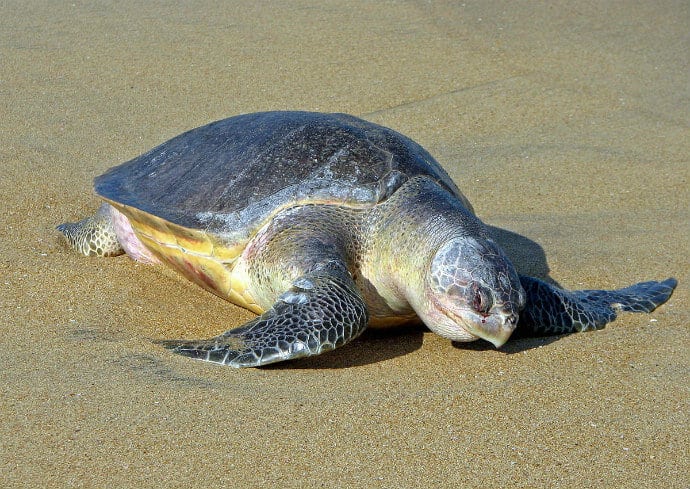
(566, 123)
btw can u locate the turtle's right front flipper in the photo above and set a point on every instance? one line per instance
(321, 311)
(550, 310)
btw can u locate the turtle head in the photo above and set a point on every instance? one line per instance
(472, 291)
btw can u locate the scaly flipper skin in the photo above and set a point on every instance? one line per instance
(321, 311)
(553, 311)
(93, 236)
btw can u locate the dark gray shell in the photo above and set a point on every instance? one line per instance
(227, 177)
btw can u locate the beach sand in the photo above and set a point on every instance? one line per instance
(565, 123)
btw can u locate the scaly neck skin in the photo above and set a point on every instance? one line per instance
(406, 232)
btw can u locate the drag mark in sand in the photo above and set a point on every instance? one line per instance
(438, 96)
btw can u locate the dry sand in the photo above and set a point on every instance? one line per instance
(564, 122)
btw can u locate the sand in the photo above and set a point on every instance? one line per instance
(566, 123)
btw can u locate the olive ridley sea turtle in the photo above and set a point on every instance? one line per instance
(324, 224)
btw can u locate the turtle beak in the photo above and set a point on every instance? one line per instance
(499, 330)
(498, 340)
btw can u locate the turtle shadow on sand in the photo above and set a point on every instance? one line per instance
(374, 346)
(527, 256)
(377, 345)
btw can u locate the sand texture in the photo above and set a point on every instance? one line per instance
(566, 124)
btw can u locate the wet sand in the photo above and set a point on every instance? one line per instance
(566, 125)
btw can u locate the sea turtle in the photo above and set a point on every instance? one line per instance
(324, 224)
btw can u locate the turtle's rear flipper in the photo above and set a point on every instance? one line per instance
(551, 311)
(322, 311)
(93, 236)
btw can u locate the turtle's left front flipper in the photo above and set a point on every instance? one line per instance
(550, 310)
(321, 311)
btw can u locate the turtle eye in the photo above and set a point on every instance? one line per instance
(481, 302)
